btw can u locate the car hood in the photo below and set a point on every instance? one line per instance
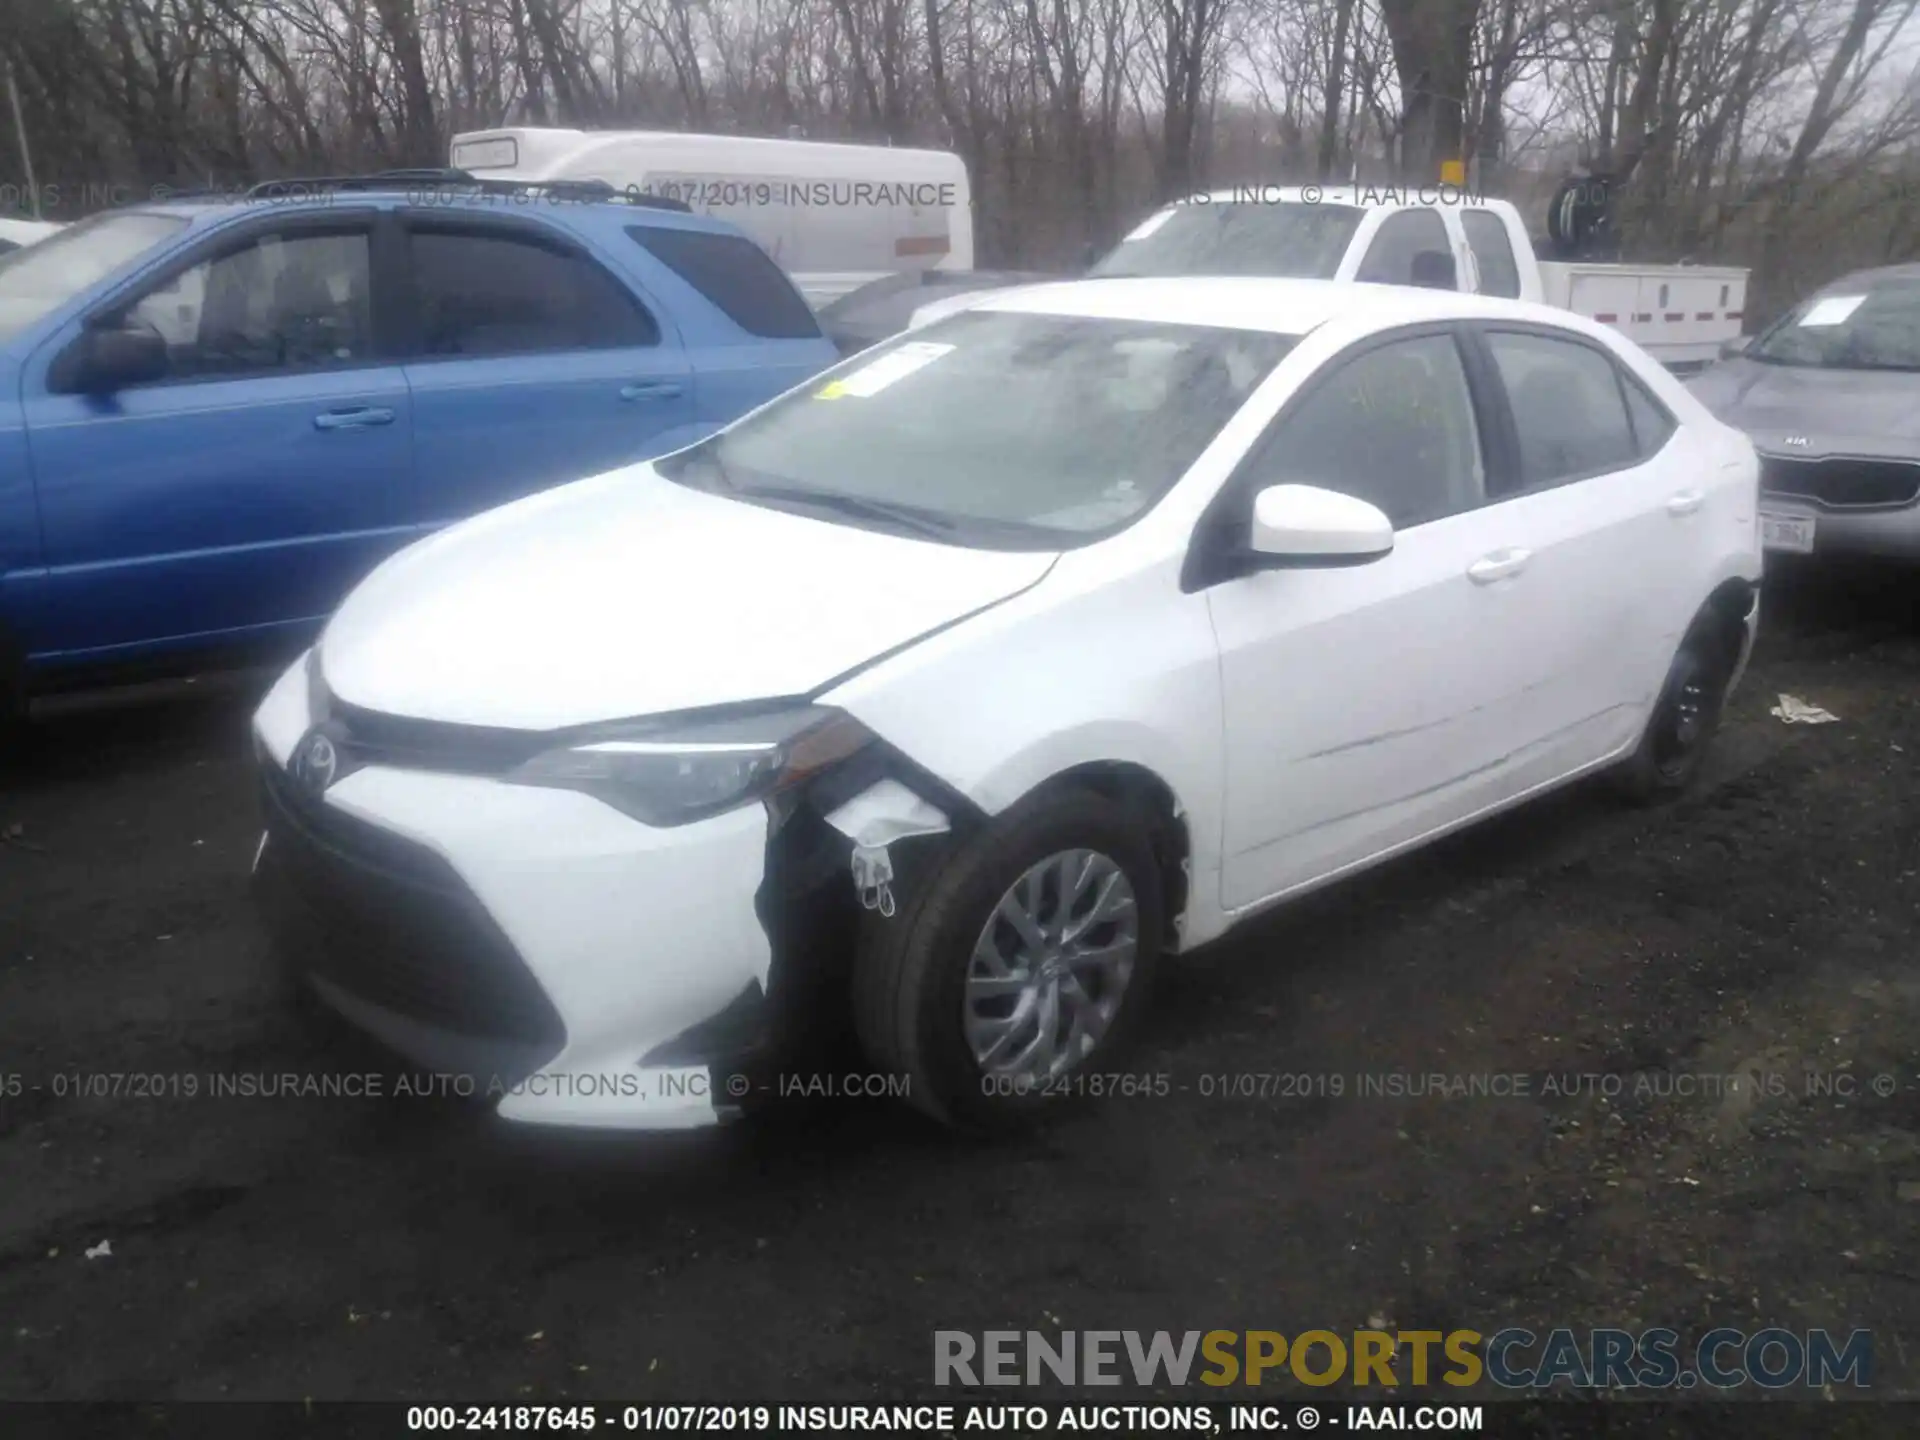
(1801, 410)
(627, 594)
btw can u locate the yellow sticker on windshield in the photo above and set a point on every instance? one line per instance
(870, 379)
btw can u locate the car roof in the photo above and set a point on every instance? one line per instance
(211, 209)
(1283, 307)
(555, 145)
(1856, 278)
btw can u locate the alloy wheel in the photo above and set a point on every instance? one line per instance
(1051, 967)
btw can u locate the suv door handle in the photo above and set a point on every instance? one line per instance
(652, 390)
(1498, 566)
(352, 419)
(1686, 502)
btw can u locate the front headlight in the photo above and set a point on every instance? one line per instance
(671, 772)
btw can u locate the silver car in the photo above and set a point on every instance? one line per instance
(1830, 396)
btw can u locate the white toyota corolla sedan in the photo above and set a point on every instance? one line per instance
(960, 686)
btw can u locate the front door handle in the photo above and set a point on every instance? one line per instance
(1686, 502)
(352, 419)
(1498, 566)
(652, 390)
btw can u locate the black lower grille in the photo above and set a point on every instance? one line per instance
(390, 923)
(1842, 482)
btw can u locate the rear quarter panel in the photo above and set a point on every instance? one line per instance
(1718, 460)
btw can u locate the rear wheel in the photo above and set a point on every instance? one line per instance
(1684, 719)
(1021, 971)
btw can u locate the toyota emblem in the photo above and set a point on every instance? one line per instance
(317, 763)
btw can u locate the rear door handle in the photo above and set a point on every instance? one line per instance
(1686, 502)
(352, 419)
(652, 390)
(1498, 566)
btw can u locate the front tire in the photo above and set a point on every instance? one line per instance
(1023, 966)
(1674, 745)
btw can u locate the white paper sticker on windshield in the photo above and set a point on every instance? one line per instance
(872, 379)
(1149, 225)
(1831, 311)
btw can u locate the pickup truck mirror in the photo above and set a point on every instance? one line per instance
(1305, 526)
(1736, 346)
(1435, 270)
(109, 357)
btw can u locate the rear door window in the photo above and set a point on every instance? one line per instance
(1652, 425)
(488, 293)
(1400, 238)
(1492, 253)
(1569, 410)
(736, 276)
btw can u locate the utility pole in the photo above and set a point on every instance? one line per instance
(20, 129)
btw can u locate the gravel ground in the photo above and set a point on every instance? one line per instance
(272, 1248)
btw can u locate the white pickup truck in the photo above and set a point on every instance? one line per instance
(1438, 236)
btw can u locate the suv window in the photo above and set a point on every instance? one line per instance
(1394, 426)
(1401, 236)
(1652, 425)
(278, 302)
(1492, 253)
(497, 293)
(736, 276)
(1568, 409)
(38, 279)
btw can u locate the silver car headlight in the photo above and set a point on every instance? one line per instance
(672, 772)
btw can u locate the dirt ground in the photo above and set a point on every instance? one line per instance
(273, 1248)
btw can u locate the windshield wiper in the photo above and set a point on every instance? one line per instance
(860, 507)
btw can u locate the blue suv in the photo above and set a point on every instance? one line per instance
(217, 414)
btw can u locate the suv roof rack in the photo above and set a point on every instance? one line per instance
(451, 179)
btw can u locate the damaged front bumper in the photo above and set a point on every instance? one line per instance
(579, 968)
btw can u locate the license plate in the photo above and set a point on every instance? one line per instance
(1786, 532)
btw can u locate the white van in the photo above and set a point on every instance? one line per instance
(834, 216)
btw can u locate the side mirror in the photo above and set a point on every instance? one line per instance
(1729, 349)
(1435, 270)
(1305, 526)
(109, 358)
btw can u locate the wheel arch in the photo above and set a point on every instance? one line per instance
(1153, 801)
(1727, 609)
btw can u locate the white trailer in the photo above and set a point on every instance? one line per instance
(835, 217)
(1680, 314)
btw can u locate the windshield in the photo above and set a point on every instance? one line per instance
(1293, 241)
(1873, 327)
(1001, 429)
(38, 279)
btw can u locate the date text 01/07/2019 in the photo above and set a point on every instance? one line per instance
(1070, 1418)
